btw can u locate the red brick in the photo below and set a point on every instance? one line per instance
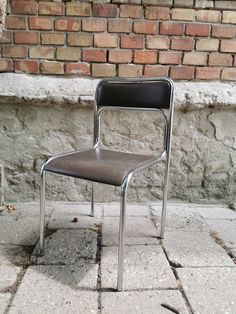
(198, 29)
(157, 13)
(105, 40)
(235, 60)
(223, 59)
(14, 51)
(132, 41)
(93, 25)
(185, 44)
(223, 31)
(155, 70)
(182, 72)
(119, 26)
(120, 56)
(6, 65)
(15, 22)
(90, 55)
(156, 42)
(68, 25)
(172, 57)
(6, 37)
(228, 45)
(145, 57)
(83, 40)
(27, 66)
(131, 11)
(78, 9)
(170, 28)
(41, 53)
(24, 7)
(81, 69)
(145, 27)
(22, 37)
(40, 23)
(195, 58)
(209, 16)
(53, 39)
(130, 70)
(105, 10)
(208, 73)
(229, 74)
(67, 54)
(51, 8)
(103, 70)
(52, 67)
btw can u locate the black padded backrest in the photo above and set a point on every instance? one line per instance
(138, 93)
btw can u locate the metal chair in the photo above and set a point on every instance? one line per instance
(112, 167)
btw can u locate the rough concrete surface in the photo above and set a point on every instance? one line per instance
(4, 301)
(8, 276)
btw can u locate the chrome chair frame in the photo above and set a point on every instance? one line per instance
(165, 155)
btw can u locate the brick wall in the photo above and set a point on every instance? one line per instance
(183, 39)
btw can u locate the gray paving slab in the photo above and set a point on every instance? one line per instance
(194, 249)
(113, 210)
(216, 212)
(225, 230)
(138, 230)
(210, 290)
(4, 302)
(67, 246)
(8, 276)
(145, 267)
(233, 253)
(57, 289)
(32, 209)
(14, 254)
(67, 221)
(148, 302)
(183, 217)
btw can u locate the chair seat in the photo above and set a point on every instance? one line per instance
(99, 165)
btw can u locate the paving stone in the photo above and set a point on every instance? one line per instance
(148, 302)
(217, 212)
(225, 230)
(57, 289)
(14, 254)
(32, 209)
(145, 267)
(184, 217)
(210, 290)
(4, 302)
(233, 253)
(138, 230)
(67, 246)
(113, 210)
(194, 249)
(8, 275)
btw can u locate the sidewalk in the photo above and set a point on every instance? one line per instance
(191, 271)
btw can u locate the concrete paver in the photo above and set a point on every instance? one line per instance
(216, 212)
(113, 210)
(210, 290)
(225, 230)
(4, 302)
(14, 254)
(8, 275)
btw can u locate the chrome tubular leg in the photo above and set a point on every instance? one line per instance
(42, 212)
(92, 201)
(164, 203)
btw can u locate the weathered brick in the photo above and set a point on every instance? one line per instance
(235, 60)
(170, 57)
(145, 57)
(83, 40)
(183, 3)
(195, 58)
(27, 66)
(14, 51)
(90, 55)
(170, 28)
(15, 22)
(228, 74)
(223, 59)
(103, 70)
(105, 10)
(105, 40)
(183, 14)
(228, 45)
(6, 65)
(156, 42)
(119, 26)
(130, 70)
(40, 23)
(182, 43)
(208, 73)
(6, 37)
(145, 27)
(120, 56)
(24, 7)
(131, 11)
(53, 39)
(182, 72)
(81, 69)
(23, 37)
(163, 3)
(209, 16)
(132, 41)
(51, 8)
(67, 54)
(157, 13)
(204, 4)
(207, 44)
(231, 5)
(93, 25)
(52, 67)
(155, 70)
(78, 9)
(68, 25)
(195, 29)
(222, 31)
(229, 17)
(41, 53)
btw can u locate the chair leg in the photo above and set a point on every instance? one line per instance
(164, 203)
(42, 213)
(92, 201)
